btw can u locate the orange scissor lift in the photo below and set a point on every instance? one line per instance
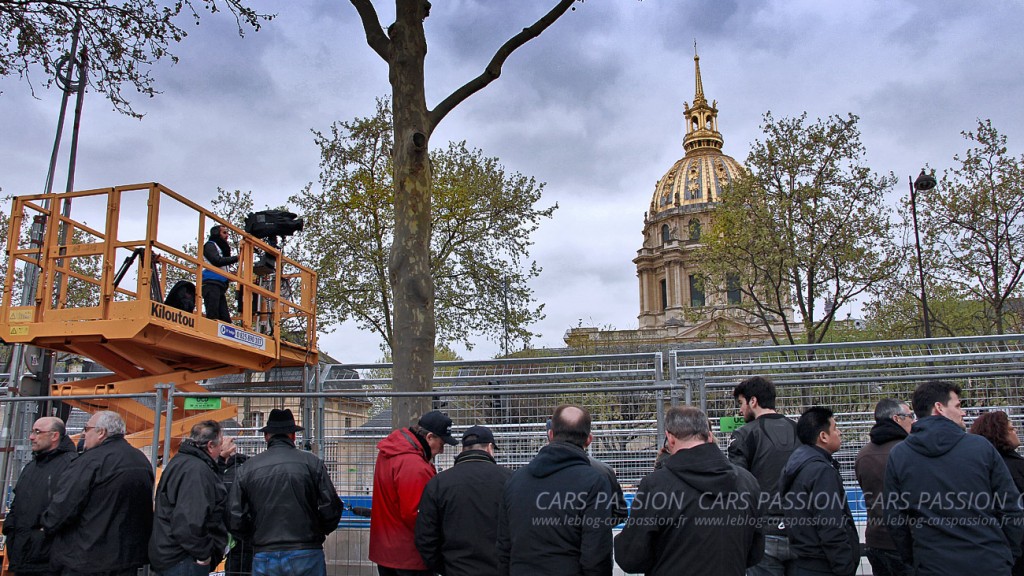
(85, 305)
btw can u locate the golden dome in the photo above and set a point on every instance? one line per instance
(704, 172)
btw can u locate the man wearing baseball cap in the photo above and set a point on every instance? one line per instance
(404, 466)
(457, 525)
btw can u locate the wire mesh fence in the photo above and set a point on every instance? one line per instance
(346, 409)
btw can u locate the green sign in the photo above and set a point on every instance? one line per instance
(202, 403)
(730, 423)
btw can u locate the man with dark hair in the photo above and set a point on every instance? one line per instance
(404, 466)
(283, 501)
(555, 514)
(457, 524)
(217, 251)
(763, 446)
(892, 425)
(822, 534)
(697, 512)
(951, 504)
(28, 548)
(102, 512)
(189, 534)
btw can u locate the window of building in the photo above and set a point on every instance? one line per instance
(666, 235)
(696, 291)
(664, 294)
(694, 230)
(732, 288)
(348, 422)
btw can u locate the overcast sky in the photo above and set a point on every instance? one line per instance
(592, 108)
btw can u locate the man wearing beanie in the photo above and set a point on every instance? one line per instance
(404, 466)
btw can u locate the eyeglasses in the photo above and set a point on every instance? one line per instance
(903, 415)
(38, 432)
(87, 428)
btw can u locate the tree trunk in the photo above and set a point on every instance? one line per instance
(411, 280)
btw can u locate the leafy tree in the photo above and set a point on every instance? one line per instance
(482, 219)
(121, 39)
(894, 310)
(974, 222)
(403, 47)
(807, 226)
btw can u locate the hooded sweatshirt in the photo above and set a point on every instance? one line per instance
(402, 472)
(956, 510)
(870, 467)
(697, 511)
(555, 517)
(821, 529)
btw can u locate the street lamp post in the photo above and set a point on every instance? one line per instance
(924, 183)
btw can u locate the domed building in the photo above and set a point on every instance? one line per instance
(676, 303)
(674, 298)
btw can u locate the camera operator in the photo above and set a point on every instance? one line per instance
(217, 251)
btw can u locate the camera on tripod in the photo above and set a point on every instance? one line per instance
(269, 225)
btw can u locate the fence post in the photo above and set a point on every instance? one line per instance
(170, 419)
(158, 408)
(320, 408)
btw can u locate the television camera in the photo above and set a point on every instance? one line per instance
(269, 226)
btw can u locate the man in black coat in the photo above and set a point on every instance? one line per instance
(697, 513)
(555, 515)
(763, 446)
(284, 502)
(892, 425)
(28, 547)
(456, 528)
(189, 532)
(818, 518)
(954, 507)
(102, 514)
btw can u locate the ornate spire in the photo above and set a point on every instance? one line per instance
(701, 119)
(698, 97)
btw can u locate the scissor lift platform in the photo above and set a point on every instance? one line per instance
(80, 308)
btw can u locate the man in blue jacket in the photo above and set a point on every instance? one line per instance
(952, 506)
(217, 251)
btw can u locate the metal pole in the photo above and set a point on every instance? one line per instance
(320, 407)
(920, 263)
(158, 408)
(170, 419)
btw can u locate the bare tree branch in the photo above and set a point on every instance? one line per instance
(375, 36)
(493, 69)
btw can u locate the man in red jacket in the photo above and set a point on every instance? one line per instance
(403, 469)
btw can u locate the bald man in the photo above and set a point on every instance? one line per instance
(27, 545)
(555, 516)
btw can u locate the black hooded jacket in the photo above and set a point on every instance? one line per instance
(458, 521)
(555, 517)
(189, 521)
(697, 512)
(818, 518)
(870, 467)
(28, 547)
(956, 510)
(102, 514)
